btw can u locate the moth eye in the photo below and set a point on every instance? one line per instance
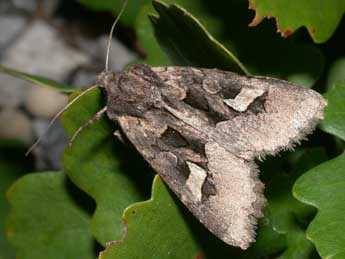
(173, 138)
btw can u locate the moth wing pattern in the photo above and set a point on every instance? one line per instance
(201, 129)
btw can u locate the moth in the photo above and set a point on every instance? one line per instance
(201, 131)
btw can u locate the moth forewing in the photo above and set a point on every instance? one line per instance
(201, 129)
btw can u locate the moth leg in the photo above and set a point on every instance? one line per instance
(120, 137)
(94, 118)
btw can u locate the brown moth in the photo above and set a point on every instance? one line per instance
(201, 129)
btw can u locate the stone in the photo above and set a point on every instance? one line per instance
(44, 102)
(10, 28)
(90, 45)
(26, 5)
(41, 50)
(15, 125)
(119, 56)
(48, 154)
(12, 91)
(84, 78)
(5, 7)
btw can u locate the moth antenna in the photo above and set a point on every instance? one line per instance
(56, 117)
(96, 117)
(111, 34)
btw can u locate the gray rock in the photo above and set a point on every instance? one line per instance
(10, 28)
(5, 6)
(41, 50)
(26, 5)
(91, 46)
(84, 78)
(119, 56)
(12, 91)
(48, 7)
(48, 154)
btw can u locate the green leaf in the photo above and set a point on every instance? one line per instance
(334, 121)
(289, 216)
(321, 18)
(104, 168)
(13, 164)
(131, 11)
(45, 221)
(155, 56)
(336, 73)
(323, 187)
(208, 52)
(38, 80)
(159, 234)
(260, 49)
(163, 228)
(268, 241)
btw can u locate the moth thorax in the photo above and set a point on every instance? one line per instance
(129, 94)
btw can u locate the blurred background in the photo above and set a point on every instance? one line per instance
(60, 40)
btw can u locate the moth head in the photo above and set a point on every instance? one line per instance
(131, 92)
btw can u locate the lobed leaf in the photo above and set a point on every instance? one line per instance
(334, 121)
(179, 23)
(104, 168)
(336, 72)
(13, 164)
(321, 18)
(289, 216)
(260, 50)
(45, 221)
(323, 187)
(154, 229)
(163, 228)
